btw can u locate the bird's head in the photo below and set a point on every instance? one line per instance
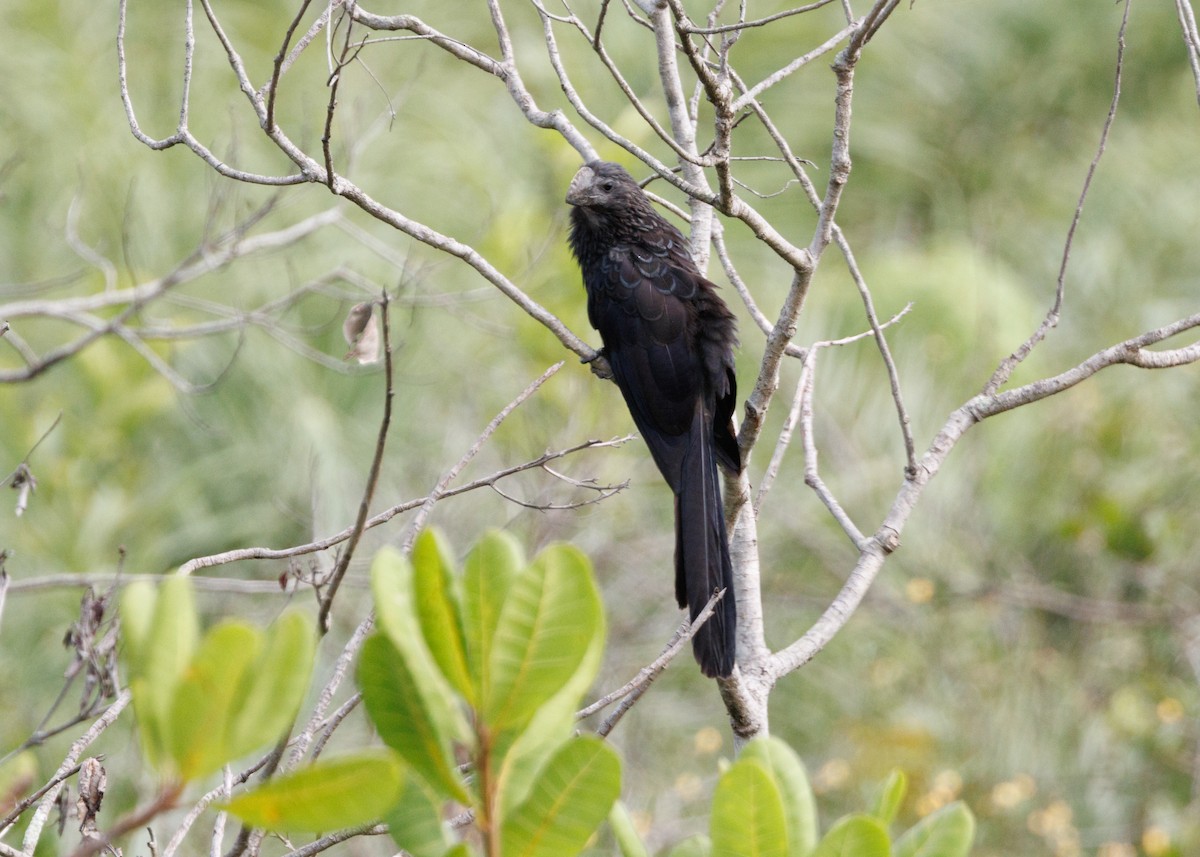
(601, 184)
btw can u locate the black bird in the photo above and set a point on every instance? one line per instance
(669, 339)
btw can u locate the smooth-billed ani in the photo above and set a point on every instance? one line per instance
(669, 339)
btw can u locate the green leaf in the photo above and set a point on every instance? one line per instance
(799, 805)
(270, 693)
(572, 796)
(438, 612)
(948, 832)
(405, 717)
(747, 813)
(855, 836)
(392, 586)
(521, 755)
(694, 846)
(891, 796)
(173, 634)
(489, 571)
(329, 795)
(164, 636)
(137, 615)
(627, 838)
(202, 711)
(549, 619)
(415, 822)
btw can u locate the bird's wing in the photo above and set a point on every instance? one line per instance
(641, 303)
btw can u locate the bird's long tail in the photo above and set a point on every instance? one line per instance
(702, 563)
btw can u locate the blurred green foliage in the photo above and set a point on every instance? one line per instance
(989, 661)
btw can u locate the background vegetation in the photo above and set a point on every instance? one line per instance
(1032, 648)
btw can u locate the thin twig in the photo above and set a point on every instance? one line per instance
(1009, 364)
(31, 799)
(34, 831)
(164, 801)
(757, 22)
(383, 517)
(874, 551)
(364, 506)
(785, 435)
(812, 476)
(224, 790)
(335, 720)
(795, 65)
(340, 670)
(440, 490)
(277, 67)
(632, 692)
(327, 842)
(1191, 39)
(910, 449)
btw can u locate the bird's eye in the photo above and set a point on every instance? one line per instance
(607, 186)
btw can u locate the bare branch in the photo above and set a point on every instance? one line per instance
(364, 507)
(328, 841)
(1009, 364)
(235, 244)
(334, 721)
(795, 65)
(241, 554)
(812, 476)
(1131, 352)
(632, 692)
(648, 673)
(341, 669)
(758, 22)
(869, 26)
(410, 23)
(34, 831)
(1191, 39)
(910, 454)
(82, 580)
(626, 89)
(440, 489)
(683, 129)
(33, 798)
(873, 551)
(165, 800)
(277, 69)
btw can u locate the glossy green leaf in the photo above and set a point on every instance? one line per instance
(948, 832)
(202, 711)
(271, 691)
(462, 849)
(799, 805)
(405, 717)
(624, 833)
(855, 836)
(415, 821)
(487, 576)
(392, 586)
(549, 619)
(173, 633)
(329, 795)
(694, 846)
(137, 615)
(747, 813)
(164, 637)
(891, 796)
(438, 612)
(522, 754)
(572, 796)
